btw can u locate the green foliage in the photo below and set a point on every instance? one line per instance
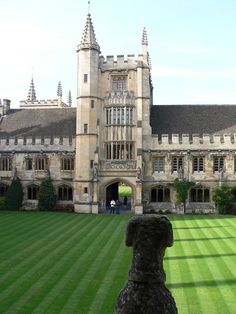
(2, 203)
(124, 190)
(182, 188)
(47, 196)
(14, 196)
(223, 198)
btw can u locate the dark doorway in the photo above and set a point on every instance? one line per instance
(112, 193)
(121, 194)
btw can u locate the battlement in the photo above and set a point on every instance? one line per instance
(194, 141)
(120, 63)
(42, 103)
(18, 144)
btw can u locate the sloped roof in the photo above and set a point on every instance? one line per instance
(41, 122)
(193, 119)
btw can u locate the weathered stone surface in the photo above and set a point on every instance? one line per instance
(145, 291)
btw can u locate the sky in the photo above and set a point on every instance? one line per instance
(191, 44)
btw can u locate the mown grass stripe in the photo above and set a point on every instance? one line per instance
(201, 272)
(25, 258)
(75, 301)
(190, 302)
(68, 276)
(108, 290)
(220, 270)
(19, 240)
(41, 266)
(42, 284)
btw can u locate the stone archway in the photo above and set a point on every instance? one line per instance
(116, 189)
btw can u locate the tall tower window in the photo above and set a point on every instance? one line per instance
(85, 78)
(92, 103)
(119, 83)
(85, 128)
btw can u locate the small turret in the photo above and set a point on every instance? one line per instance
(88, 40)
(31, 94)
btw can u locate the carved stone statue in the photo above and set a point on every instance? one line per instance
(139, 172)
(145, 291)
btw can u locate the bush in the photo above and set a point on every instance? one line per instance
(223, 198)
(14, 196)
(47, 197)
(2, 202)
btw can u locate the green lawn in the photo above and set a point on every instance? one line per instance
(68, 263)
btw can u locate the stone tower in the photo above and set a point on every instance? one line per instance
(88, 104)
(113, 114)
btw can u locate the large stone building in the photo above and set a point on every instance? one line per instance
(116, 135)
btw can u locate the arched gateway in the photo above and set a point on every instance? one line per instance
(122, 193)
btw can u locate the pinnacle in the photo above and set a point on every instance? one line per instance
(88, 40)
(31, 94)
(144, 37)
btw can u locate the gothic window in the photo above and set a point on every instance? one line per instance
(177, 163)
(158, 165)
(85, 128)
(160, 194)
(29, 163)
(120, 150)
(199, 194)
(119, 83)
(32, 192)
(67, 163)
(218, 164)
(41, 163)
(3, 189)
(65, 193)
(120, 116)
(5, 164)
(198, 164)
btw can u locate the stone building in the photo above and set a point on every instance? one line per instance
(116, 135)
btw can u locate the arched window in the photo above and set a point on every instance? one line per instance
(32, 192)
(160, 194)
(3, 189)
(199, 194)
(65, 193)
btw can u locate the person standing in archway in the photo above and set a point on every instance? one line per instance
(112, 205)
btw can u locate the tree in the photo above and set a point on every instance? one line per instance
(14, 196)
(223, 198)
(47, 197)
(182, 187)
(2, 202)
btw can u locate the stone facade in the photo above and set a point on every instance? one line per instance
(116, 135)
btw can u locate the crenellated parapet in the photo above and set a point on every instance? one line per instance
(192, 141)
(42, 104)
(119, 62)
(38, 143)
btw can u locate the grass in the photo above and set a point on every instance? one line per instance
(68, 263)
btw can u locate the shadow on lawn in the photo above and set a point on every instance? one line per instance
(210, 283)
(189, 228)
(203, 239)
(199, 256)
